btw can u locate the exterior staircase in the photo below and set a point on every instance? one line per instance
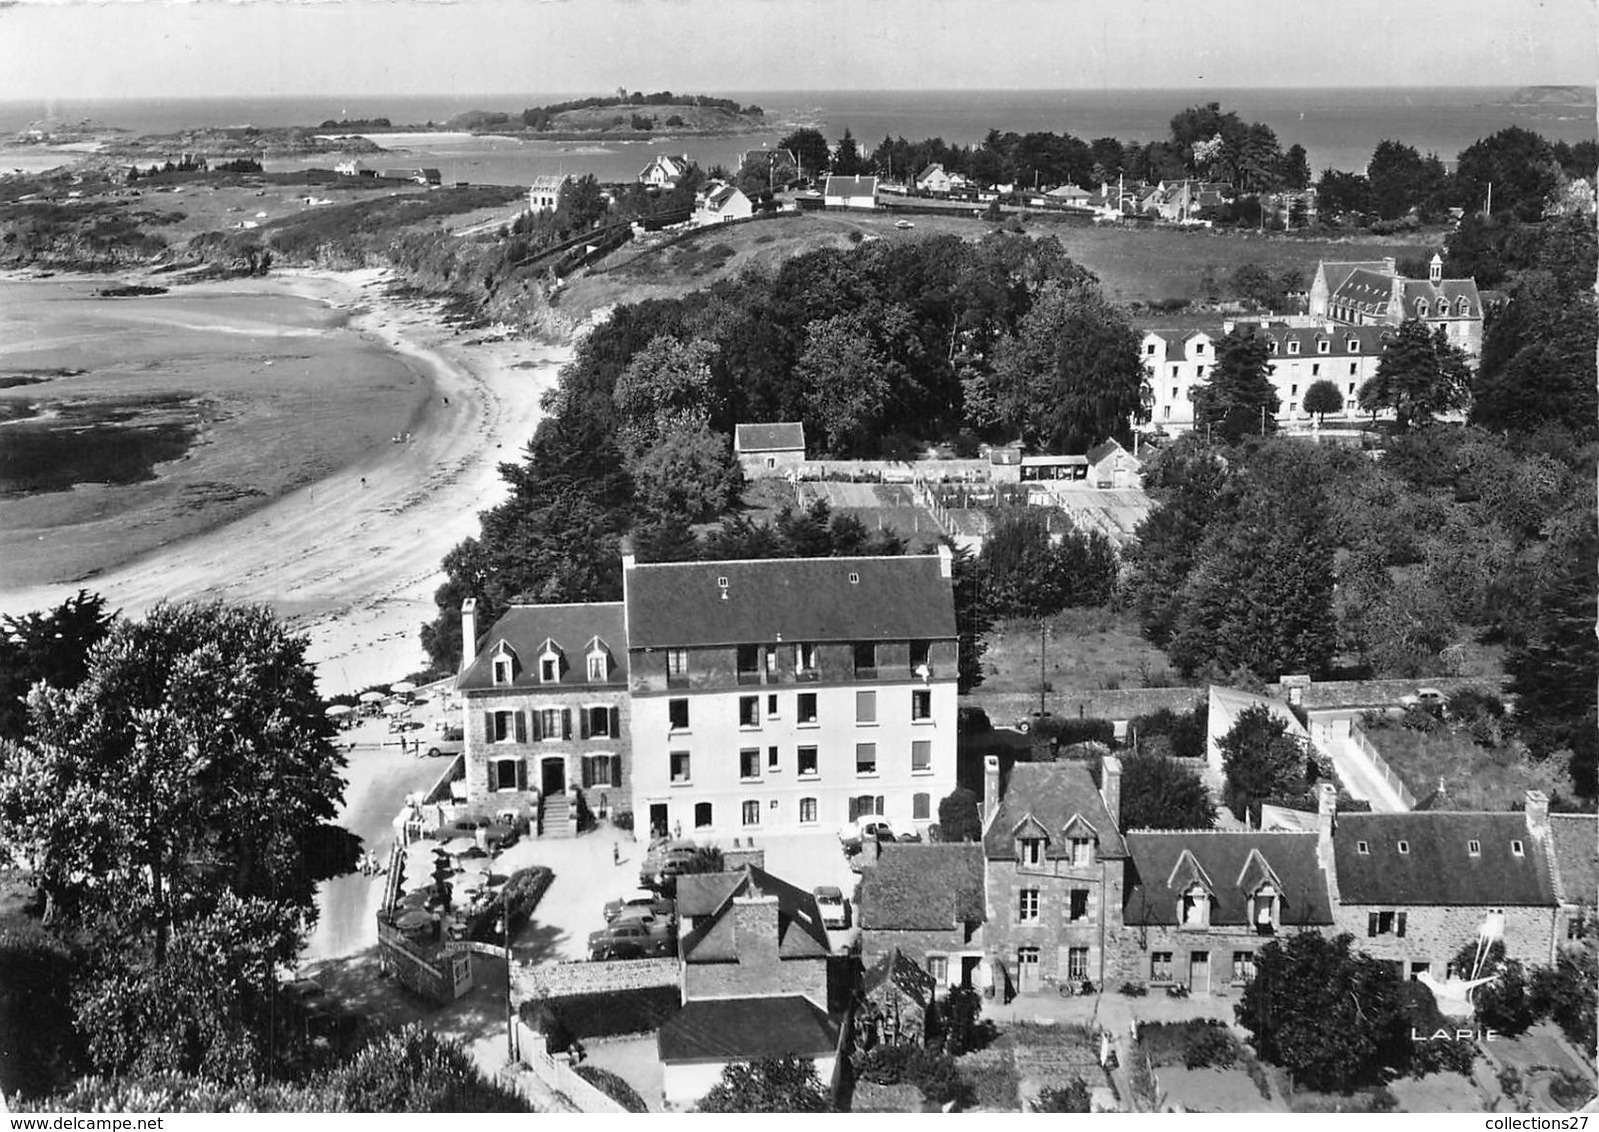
(555, 816)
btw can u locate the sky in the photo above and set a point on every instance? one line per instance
(210, 48)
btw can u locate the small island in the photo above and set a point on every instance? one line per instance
(1553, 96)
(622, 115)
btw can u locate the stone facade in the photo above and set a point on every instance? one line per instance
(1434, 934)
(1050, 928)
(953, 952)
(756, 970)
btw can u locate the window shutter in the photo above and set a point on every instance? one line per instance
(494, 776)
(588, 770)
(616, 722)
(583, 723)
(521, 727)
(521, 774)
(538, 725)
(566, 723)
(880, 805)
(488, 727)
(1399, 925)
(854, 808)
(1371, 923)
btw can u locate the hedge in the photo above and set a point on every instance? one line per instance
(604, 1014)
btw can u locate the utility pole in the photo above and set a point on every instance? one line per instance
(1043, 632)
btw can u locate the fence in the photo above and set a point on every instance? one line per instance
(1367, 748)
(558, 1075)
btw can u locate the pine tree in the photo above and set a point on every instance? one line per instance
(1239, 390)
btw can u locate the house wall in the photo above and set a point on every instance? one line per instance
(1134, 948)
(484, 800)
(758, 972)
(766, 465)
(715, 737)
(916, 946)
(1053, 932)
(1434, 933)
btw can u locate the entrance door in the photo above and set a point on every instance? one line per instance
(1199, 972)
(1027, 970)
(657, 819)
(553, 776)
(968, 965)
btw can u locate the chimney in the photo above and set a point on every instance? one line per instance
(946, 561)
(468, 632)
(1326, 824)
(1391, 264)
(1110, 786)
(755, 927)
(1537, 813)
(990, 788)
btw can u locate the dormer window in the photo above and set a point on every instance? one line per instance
(1517, 849)
(1293, 346)
(1353, 345)
(1404, 847)
(1421, 308)
(549, 669)
(1474, 848)
(1463, 308)
(1362, 848)
(1193, 908)
(1272, 345)
(503, 665)
(1263, 911)
(1082, 851)
(1323, 346)
(502, 670)
(1031, 852)
(598, 668)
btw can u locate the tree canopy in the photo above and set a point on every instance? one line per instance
(53, 647)
(1262, 759)
(1419, 376)
(1239, 398)
(786, 1084)
(1158, 792)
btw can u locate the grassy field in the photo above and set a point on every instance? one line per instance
(1475, 777)
(1088, 649)
(1135, 264)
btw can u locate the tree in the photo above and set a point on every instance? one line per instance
(1295, 168)
(847, 158)
(1520, 165)
(666, 386)
(1564, 992)
(690, 472)
(1262, 760)
(809, 148)
(1253, 282)
(1026, 573)
(1160, 793)
(1186, 480)
(1239, 389)
(1322, 398)
(1072, 1097)
(846, 389)
(960, 817)
(1339, 194)
(1419, 376)
(785, 1084)
(53, 647)
(973, 617)
(1505, 1004)
(1402, 180)
(1335, 1018)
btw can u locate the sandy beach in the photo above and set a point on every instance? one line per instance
(351, 559)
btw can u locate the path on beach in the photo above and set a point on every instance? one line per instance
(352, 560)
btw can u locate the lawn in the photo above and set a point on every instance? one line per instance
(1087, 649)
(1474, 777)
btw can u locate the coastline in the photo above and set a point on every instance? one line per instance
(351, 558)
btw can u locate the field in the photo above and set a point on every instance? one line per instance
(1088, 649)
(1475, 777)
(1134, 264)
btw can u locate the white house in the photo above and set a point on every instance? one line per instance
(850, 192)
(664, 171)
(765, 450)
(933, 179)
(721, 204)
(545, 191)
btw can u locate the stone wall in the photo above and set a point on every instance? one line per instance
(560, 980)
(1054, 933)
(1133, 947)
(1433, 934)
(917, 945)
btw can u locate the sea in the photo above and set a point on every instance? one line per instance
(1339, 127)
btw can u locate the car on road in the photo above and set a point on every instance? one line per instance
(1032, 720)
(831, 903)
(903, 224)
(632, 937)
(643, 902)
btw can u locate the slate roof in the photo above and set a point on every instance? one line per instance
(1438, 868)
(1445, 290)
(1050, 794)
(924, 888)
(1336, 273)
(525, 628)
(1574, 840)
(789, 599)
(800, 934)
(746, 1029)
(783, 436)
(1232, 863)
(850, 187)
(1104, 451)
(700, 894)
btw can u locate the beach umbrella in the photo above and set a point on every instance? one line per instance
(403, 688)
(414, 920)
(336, 710)
(371, 697)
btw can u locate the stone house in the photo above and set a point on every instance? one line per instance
(1375, 294)
(765, 939)
(1055, 863)
(546, 712)
(927, 903)
(1574, 851)
(765, 450)
(1413, 888)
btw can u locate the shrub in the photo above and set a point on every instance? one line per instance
(623, 820)
(1570, 1091)
(935, 1074)
(1064, 732)
(1066, 1098)
(523, 891)
(613, 1086)
(1199, 1043)
(995, 1084)
(1133, 990)
(604, 1014)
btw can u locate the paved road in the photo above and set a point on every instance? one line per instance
(1330, 734)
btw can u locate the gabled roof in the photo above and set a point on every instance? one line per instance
(850, 187)
(1366, 290)
(700, 894)
(1257, 871)
(746, 1029)
(1100, 452)
(923, 888)
(1157, 875)
(1052, 794)
(906, 597)
(933, 170)
(782, 436)
(914, 982)
(1574, 841)
(1336, 273)
(526, 629)
(800, 934)
(1437, 867)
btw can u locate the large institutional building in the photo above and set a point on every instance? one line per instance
(722, 699)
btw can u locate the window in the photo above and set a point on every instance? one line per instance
(805, 660)
(677, 714)
(805, 707)
(1077, 963)
(751, 812)
(554, 723)
(865, 707)
(602, 771)
(769, 653)
(1462, 308)
(1362, 848)
(865, 659)
(1293, 407)
(1354, 367)
(1199, 348)
(938, 968)
(1082, 851)
(599, 720)
(807, 811)
(920, 658)
(1353, 346)
(702, 815)
(1385, 923)
(1150, 348)
(502, 671)
(1079, 904)
(1199, 371)
(1574, 928)
(771, 706)
(921, 756)
(1293, 391)
(749, 664)
(1027, 905)
(749, 711)
(865, 758)
(549, 669)
(1160, 967)
(771, 758)
(502, 728)
(1517, 849)
(1032, 852)
(505, 773)
(676, 666)
(1174, 393)
(1404, 848)
(1323, 347)
(749, 762)
(1243, 966)
(1474, 848)
(1166, 411)
(921, 807)
(1421, 308)
(597, 668)
(1193, 908)
(807, 761)
(1315, 369)
(1174, 371)
(921, 704)
(679, 766)
(1293, 346)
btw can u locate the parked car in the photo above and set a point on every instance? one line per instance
(643, 934)
(866, 828)
(1430, 698)
(835, 910)
(664, 862)
(903, 224)
(641, 902)
(445, 739)
(1032, 719)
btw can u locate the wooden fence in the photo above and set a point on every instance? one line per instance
(1369, 749)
